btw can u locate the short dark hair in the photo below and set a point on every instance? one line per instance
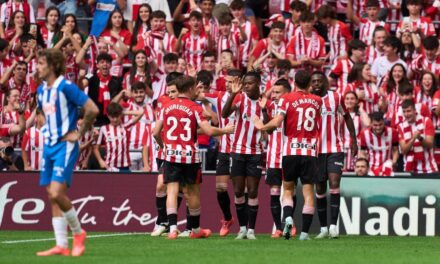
(394, 42)
(26, 37)
(430, 43)
(285, 83)
(104, 56)
(364, 160)
(172, 76)
(54, 58)
(405, 89)
(234, 73)
(372, 3)
(377, 116)
(302, 79)
(298, 6)
(355, 44)
(23, 63)
(255, 74)
(184, 83)
(414, 2)
(408, 103)
(170, 57)
(158, 14)
(208, 53)
(326, 11)
(237, 5)
(196, 14)
(284, 64)
(139, 86)
(278, 25)
(114, 109)
(306, 16)
(225, 19)
(212, 1)
(205, 77)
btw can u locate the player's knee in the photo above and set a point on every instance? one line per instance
(239, 194)
(161, 188)
(54, 196)
(221, 187)
(334, 184)
(321, 188)
(253, 194)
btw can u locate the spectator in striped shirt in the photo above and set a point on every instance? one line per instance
(379, 144)
(33, 143)
(116, 138)
(416, 140)
(229, 40)
(292, 25)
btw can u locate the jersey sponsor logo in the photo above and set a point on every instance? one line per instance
(298, 145)
(113, 138)
(175, 152)
(49, 108)
(325, 112)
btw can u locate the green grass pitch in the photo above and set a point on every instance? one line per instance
(141, 248)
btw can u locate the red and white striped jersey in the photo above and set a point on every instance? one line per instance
(300, 46)
(116, 141)
(9, 119)
(379, 147)
(302, 121)
(370, 103)
(435, 104)
(152, 147)
(367, 28)
(421, 63)
(338, 35)
(138, 77)
(181, 118)
(159, 84)
(193, 48)
(213, 27)
(4, 65)
(25, 90)
(218, 100)
(423, 23)
(137, 130)
(278, 6)
(33, 143)
(247, 139)
(125, 36)
(262, 47)
(290, 30)
(251, 32)
(72, 69)
(394, 15)
(393, 101)
(156, 45)
(232, 43)
(339, 71)
(332, 109)
(267, 76)
(418, 159)
(372, 54)
(275, 141)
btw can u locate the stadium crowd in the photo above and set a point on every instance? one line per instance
(373, 62)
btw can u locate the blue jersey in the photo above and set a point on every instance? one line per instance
(60, 105)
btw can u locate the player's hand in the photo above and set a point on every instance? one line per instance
(417, 134)
(72, 136)
(258, 123)
(27, 167)
(103, 165)
(184, 31)
(236, 85)
(146, 168)
(229, 129)
(263, 102)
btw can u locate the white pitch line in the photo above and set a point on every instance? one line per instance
(91, 236)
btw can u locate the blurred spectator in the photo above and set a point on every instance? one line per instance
(361, 167)
(9, 160)
(7, 11)
(33, 143)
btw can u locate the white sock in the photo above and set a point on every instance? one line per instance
(243, 229)
(72, 219)
(173, 228)
(59, 225)
(324, 229)
(251, 231)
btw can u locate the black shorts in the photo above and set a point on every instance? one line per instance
(159, 163)
(274, 177)
(182, 173)
(223, 164)
(329, 163)
(246, 165)
(300, 167)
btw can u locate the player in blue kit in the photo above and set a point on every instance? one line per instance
(61, 100)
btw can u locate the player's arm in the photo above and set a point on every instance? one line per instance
(21, 126)
(228, 109)
(396, 155)
(90, 113)
(351, 129)
(350, 14)
(211, 131)
(271, 125)
(101, 161)
(257, 63)
(405, 147)
(156, 132)
(8, 73)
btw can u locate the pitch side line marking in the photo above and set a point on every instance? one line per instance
(91, 236)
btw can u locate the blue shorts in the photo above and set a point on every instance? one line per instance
(59, 162)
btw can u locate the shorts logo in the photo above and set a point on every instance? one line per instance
(174, 152)
(59, 171)
(303, 146)
(339, 164)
